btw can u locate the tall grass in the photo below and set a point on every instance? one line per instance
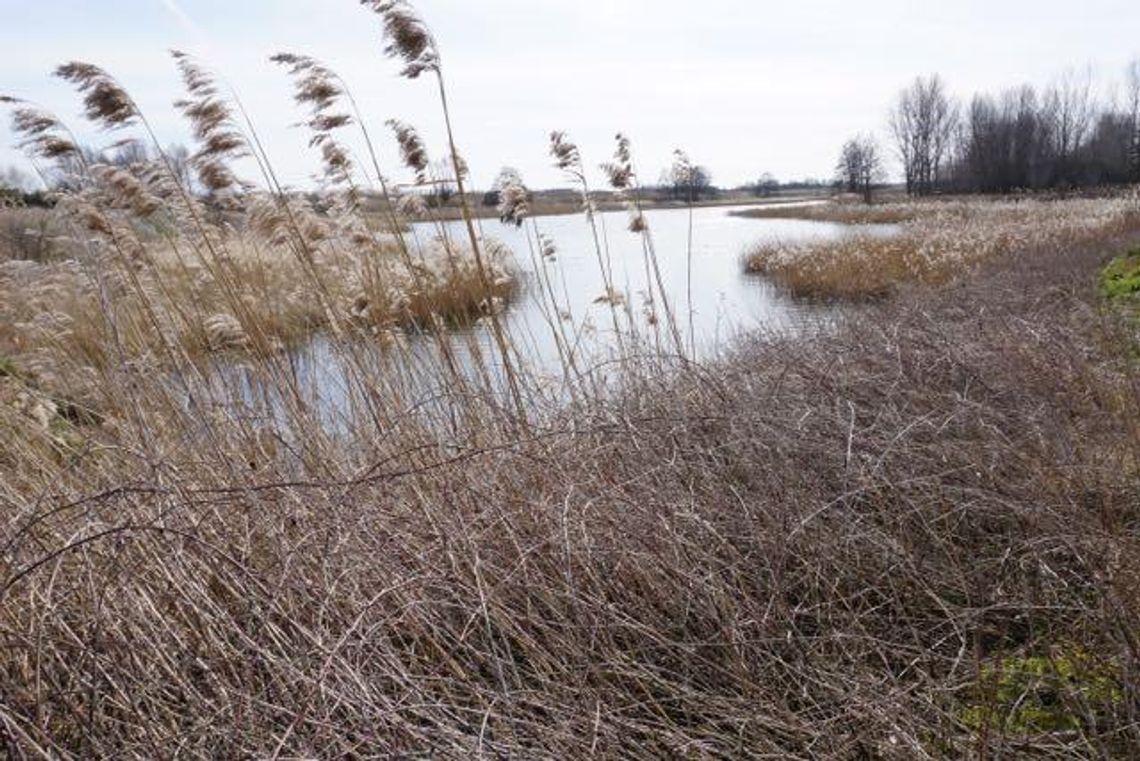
(938, 242)
(911, 535)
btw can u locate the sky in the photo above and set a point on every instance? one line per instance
(743, 86)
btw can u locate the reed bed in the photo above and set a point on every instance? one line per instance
(910, 534)
(28, 233)
(254, 295)
(854, 545)
(940, 241)
(845, 212)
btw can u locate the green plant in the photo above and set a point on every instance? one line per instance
(1031, 695)
(1121, 278)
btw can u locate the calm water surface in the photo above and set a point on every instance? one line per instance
(726, 301)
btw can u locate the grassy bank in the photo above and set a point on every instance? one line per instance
(849, 213)
(541, 206)
(915, 536)
(935, 242)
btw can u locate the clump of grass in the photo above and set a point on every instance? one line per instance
(29, 234)
(1066, 691)
(52, 307)
(852, 268)
(950, 239)
(9, 368)
(1121, 278)
(850, 213)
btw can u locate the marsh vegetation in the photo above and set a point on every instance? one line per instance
(910, 531)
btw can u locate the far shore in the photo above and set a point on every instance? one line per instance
(542, 208)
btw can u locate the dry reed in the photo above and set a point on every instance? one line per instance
(941, 241)
(912, 534)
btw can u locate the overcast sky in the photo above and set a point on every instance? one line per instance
(745, 86)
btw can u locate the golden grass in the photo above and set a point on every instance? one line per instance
(845, 212)
(242, 293)
(939, 241)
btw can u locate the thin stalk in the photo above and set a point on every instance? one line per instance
(496, 325)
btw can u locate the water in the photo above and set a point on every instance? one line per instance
(725, 301)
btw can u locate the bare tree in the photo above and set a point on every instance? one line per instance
(179, 157)
(128, 154)
(1069, 110)
(765, 186)
(860, 166)
(1132, 107)
(441, 183)
(688, 182)
(923, 123)
(1001, 143)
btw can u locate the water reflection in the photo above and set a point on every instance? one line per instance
(724, 303)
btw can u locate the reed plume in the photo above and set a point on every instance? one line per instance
(623, 179)
(684, 172)
(514, 198)
(318, 88)
(406, 37)
(41, 134)
(105, 101)
(212, 120)
(412, 149)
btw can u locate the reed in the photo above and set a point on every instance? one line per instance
(940, 242)
(908, 533)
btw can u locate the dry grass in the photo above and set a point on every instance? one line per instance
(817, 549)
(244, 292)
(845, 212)
(28, 234)
(913, 535)
(940, 241)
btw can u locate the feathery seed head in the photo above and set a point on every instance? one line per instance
(126, 190)
(619, 177)
(223, 332)
(196, 80)
(325, 123)
(624, 152)
(412, 206)
(104, 100)
(335, 158)
(514, 199)
(318, 87)
(41, 133)
(620, 172)
(315, 84)
(547, 246)
(212, 121)
(412, 148)
(565, 153)
(406, 37)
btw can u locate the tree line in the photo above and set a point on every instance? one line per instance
(1059, 138)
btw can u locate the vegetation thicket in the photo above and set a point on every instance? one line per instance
(909, 533)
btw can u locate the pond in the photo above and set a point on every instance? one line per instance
(725, 301)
